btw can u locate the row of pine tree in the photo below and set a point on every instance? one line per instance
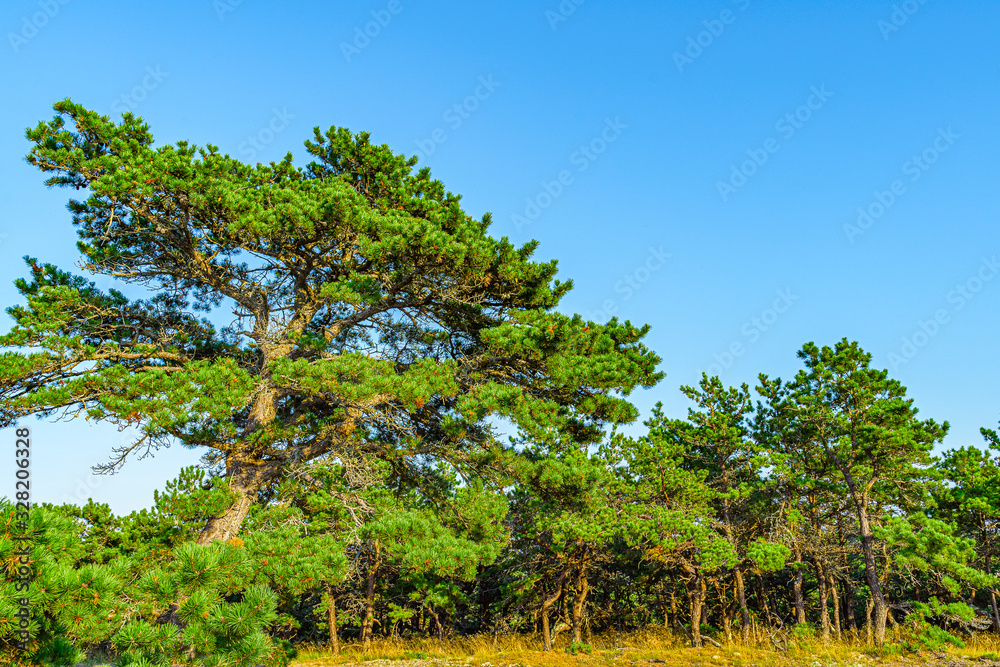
(812, 507)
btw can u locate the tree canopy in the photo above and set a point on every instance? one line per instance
(367, 315)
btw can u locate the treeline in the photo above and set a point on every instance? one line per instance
(809, 507)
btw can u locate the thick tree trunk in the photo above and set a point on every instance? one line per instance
(695, 602)
(741, 596)
(881, 616)
(245, 474)
(546, 605)
(245, 480)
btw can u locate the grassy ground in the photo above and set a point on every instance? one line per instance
(647, 649)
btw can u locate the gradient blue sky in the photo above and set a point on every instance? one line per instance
(683, 92)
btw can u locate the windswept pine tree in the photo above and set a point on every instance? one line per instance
(372, 318)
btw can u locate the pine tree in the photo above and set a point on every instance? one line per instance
(718, 442)
(861, 422)
(374, 318)
(564, 520)
(971, 499)
(667, 509)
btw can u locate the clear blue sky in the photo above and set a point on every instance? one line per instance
(698, 166)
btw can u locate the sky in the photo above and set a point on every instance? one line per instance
(745, 176)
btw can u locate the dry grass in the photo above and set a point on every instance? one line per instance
(649, 648)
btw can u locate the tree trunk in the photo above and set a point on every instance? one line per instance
(695, 602)
(485, 595)
(582, 586)
(881, 615)
(993, 597)
(727, 609)
(245, 479)
(331, 619)
(369, 620)
(824, 594)
(867, 550)
(851, 603)
(763, 597)
(996, 611)
(800, 609)
(744, 612)
(437, 623)
(673, 606)
(704, 601)
(246, 474)
(836, 605)
(869, 630)
(546, 605)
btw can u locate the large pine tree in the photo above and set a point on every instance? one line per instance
(371, 317)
